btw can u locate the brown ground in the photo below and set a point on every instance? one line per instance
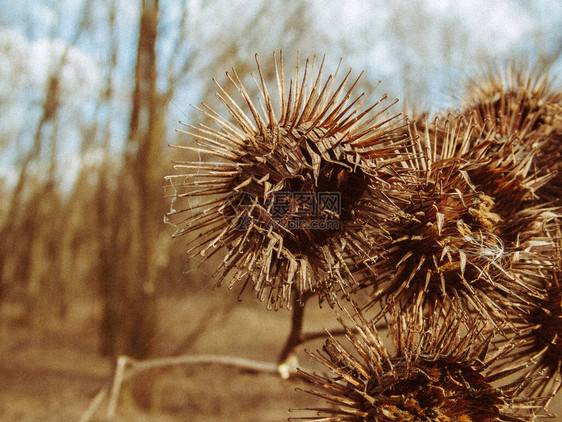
(52, 374)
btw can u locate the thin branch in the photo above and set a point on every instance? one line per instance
(95, 404)
(295, 334)
(287, 361)
(251, 365)
(128, 368)
(116, 387)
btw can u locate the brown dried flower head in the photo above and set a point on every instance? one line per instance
(534, 347)
(451, 246)
(283, 190)
(549, 158)
(521, 101)
(435, 374)
(511, 99)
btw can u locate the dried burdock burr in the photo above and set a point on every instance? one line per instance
(549, 157)
(282, 191)
(535, 343)
(511, 99)
(524, 102)
(448, 248)
(435, 373)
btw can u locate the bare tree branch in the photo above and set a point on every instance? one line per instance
(128, 367)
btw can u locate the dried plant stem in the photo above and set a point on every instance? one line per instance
(251, 365)
(128, 367)
(118, 379)
(287, 360)
(295, 335)
(95, 403)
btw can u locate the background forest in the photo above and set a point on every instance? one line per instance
(90, 98)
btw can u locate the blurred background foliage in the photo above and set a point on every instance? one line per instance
(91, 93)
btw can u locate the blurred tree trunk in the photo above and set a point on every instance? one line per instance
(130, 318)
(17, 208)
(105, 211)
(35, 221)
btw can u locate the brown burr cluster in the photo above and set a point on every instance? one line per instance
(446, 227)
(431, 373)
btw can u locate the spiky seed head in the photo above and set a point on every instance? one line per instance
(535, 343)
(549, 156)
(547, 335)
(435, 374)
(283, 192)
(523, 102)
(511, 99)
(448, 248)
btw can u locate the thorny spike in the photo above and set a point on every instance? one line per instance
(265, 94)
